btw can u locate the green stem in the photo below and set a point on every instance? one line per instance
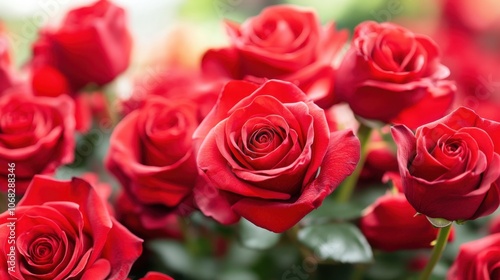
(442, 239)
(345, 190)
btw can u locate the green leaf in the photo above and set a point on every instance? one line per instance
(337, 242)
(254, 237)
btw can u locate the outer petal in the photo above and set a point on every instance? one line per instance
(213, 203)
(230, 95)
(339, 162)
(122, 249)
(153, 275)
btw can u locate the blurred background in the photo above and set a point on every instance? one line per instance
(178, 32)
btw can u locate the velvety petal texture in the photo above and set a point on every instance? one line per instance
(478, 260)
(283, 42)
(450, 168)
(392, 75)
(91, 46)
(268, 155)
(36, 133)
(64, 231)
(153, 275)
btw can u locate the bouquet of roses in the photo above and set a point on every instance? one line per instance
(298, 150)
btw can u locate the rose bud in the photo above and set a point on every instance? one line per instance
(477, 260)
(283, 42)
(391, 224)
(153, 275)
(91, 46)
(392, 75)
(151, 152)
(474, 17)
(63, 230)
(268, 155)
(36, 134)
(450, 168)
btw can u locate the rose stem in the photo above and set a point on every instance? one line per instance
(437, 251)
(347, 188)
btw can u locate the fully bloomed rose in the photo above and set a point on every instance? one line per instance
(151, 152)
(92, 46)
(36, 133)
(283, 42)
(478, 260)
(64, 231)
(392, 75)
(268, 155)
(450, 168)
(390, 224)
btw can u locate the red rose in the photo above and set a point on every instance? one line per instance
(477, 260)
(390, 224)
(63, 231)
(153, 275)
(92, 45)
(393, 75)
(283, 42)
(151, 152)
(175, 83)
(268, 155)
(450, 168)
(36, 133)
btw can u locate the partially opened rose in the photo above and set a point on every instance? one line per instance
(283, 42)
(478, 260)
(450, 168)
(92, 45)
(268, 155)
(36, 133)
(393, 75)
(151, 152)
(64, 231)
